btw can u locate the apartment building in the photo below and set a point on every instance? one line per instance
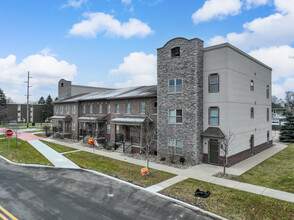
(203, 95)
(18, 112)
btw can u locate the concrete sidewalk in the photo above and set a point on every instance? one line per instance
(203, 172)
(54, 157)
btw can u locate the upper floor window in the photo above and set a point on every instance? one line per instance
(175, 85)
(213, 116)
(128, 108)
(108, 108)
(91, 108)
(61, 109)
(267, 91)
(73, 125)
(251, 85)
(142, 107)
(175, 52)
(251, 112)
(73, 109)
(18, 107)
(267, 114)
(108, 128)
(100, 108)
(175, 116)
(117, 108)
(67, 109)
(84, 108)
(175, 146)
(154, 107)
(56, 109)
(213, 82)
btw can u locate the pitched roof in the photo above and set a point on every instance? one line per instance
(213, 132)
(123, 93)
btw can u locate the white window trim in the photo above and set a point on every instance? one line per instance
(175, 80)
(175, 146)
(128, 108)
(142, 113)
(117, 112)
(175, 117)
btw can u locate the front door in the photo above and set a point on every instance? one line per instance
(128, 133)
(213, 151)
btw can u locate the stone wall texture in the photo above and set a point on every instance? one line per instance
(189, 67)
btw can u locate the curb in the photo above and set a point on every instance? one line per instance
(187, 205)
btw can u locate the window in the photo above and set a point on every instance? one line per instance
(116, 129)
(267, 137)
(267, 114)
(108, 108)
(100, 108)
(175, 85)
(251, 112)
(142, 107)
(67, 109)
(267, 91)
(175, 146)
(61, 110)
(73, 109)
(56, 109)
(213, 83)
(73, 125)
(61, 84)
(175, 52)
(18, 107)
(91, 108)
(251, 85)
(128, 108)
(154, 107)
(84, 108)
(117, 108)
(213, 116)
(108, 128)
(175, 116)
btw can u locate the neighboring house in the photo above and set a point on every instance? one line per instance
(203, 94)
(278, 109)
(18, 113)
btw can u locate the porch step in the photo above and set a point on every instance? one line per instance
(119, 149)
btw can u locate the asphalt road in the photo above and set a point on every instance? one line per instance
(46, 193)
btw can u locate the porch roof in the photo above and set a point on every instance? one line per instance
(130, 121)
(213, 132)
(61, 117)
(93, 119)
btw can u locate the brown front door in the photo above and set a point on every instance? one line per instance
(213, 151)
(128, 133)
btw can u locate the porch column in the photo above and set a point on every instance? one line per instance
(141, 139)
(63, 128)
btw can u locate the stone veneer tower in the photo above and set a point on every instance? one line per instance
(181, 59)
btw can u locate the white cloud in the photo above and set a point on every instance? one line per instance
(74, 3)
(46, 71)
(283, 67)
(96, 84)
(127, 2)
(139, 69)
(218, 9)
(276, 29)
(99, 22)
(256, 3)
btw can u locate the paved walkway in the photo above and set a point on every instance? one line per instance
(54, 157)
(203, 172)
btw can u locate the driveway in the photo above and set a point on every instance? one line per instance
(47, 193)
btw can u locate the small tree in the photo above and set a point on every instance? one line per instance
(226, 148)
(3, 109)
(48, 108)
(41, 100)
(287, 130)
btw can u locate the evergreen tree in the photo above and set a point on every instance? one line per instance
(287, 130)
(55, 99)
(48, 109)
(3, 110)
(41, 100)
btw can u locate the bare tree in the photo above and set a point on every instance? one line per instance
(290, 100)
(226, 148)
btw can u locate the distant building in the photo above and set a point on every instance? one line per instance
(18, 113)
(278, 109)
(202, 95)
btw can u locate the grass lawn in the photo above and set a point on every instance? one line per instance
(23, 153)
(41, 135)
(2, 135)
(57, 147)
(276, 172)
(117, 168)
(231, 203)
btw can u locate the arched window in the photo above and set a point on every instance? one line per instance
(252, 112)
(251, 85)
(267, 91)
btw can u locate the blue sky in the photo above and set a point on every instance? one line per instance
(112, 43)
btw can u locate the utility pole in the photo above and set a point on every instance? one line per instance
(28, 98)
